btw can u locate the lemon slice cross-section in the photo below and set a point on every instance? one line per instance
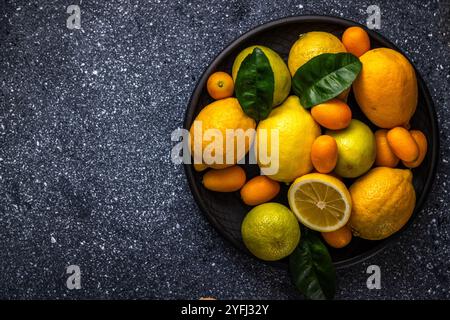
(320, 201)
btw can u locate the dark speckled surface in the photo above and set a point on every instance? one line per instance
(85, 170)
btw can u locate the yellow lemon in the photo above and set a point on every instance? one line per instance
(295, 130)
(270, 231)
(312, 44)
(386, 88)
(383, 201)
(215, 119)
(282, 79)
(320, 201)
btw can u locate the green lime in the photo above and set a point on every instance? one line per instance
(270, 231)
(356, 149)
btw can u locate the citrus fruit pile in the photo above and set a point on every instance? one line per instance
(344, 178)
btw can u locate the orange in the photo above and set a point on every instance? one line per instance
(356, 41)
(385, 157)
(220, 85)
(224, 180)
(386, 88)
(324, 154)
(339, 238)
(199, 167)
(421, 141)
(259, 190)
(403, 144)
(333, 114)
(220, 116)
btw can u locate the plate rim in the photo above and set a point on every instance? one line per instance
(189, 113)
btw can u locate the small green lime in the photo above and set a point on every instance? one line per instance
(270, 231)
(356, 149)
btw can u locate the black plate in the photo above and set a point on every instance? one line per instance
(226, 211)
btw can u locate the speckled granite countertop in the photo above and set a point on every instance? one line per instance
(85, 172)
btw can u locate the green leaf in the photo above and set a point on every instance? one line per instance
(311, 268)
(255, 85)
(325, 77)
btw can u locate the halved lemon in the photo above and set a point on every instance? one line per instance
(320, 201)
